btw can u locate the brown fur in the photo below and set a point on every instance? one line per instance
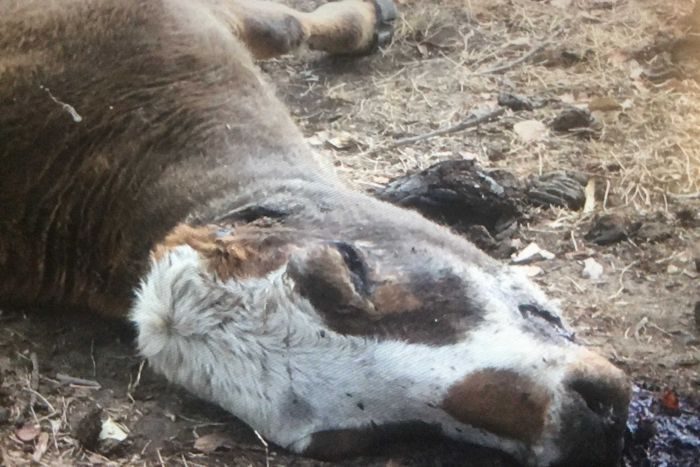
(173, 120)
(394, 298)
(229, 256)
(500, 401)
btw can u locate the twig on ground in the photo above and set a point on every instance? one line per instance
(34, 381)
(684, 195)
(200, 423)
(267, 449)
(621, 280)
(472, 121)
(67, 379)
(92, 358)
(135, 384)
(36, 394)
(508, 65)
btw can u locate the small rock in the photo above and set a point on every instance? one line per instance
(111, 430)
(530, 130)
(342, 141)
(28, 432)
(513, 102)
(592, 269)
(213, 441)
(697, 315)
(673, 269)
(532, 253)
(529, 270)
(563, 4)
(571, 119)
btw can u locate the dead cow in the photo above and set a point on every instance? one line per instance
(147, 166)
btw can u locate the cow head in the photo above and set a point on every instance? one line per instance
(322, 326)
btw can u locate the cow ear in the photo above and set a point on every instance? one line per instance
(321, 275)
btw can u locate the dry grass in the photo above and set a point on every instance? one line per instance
(448, 62)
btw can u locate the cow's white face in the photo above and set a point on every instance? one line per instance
(324, 345)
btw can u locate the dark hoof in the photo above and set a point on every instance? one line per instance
(384, 30)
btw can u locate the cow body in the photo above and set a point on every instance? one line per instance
(148, 167)
(88, 189)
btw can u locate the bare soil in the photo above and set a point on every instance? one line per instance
(631, 62)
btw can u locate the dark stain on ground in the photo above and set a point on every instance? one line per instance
(662, 436)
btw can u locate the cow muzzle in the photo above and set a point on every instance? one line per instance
(593, 413)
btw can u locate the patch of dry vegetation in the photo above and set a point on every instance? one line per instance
(452, 60)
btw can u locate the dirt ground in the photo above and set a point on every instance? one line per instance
(631, 62)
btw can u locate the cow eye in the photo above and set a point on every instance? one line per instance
(530, 310)
(356, 265)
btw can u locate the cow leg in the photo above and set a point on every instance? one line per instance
(341, 27)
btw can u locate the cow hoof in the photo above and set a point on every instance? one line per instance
(384, 29)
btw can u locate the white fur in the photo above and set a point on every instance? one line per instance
(254, 347)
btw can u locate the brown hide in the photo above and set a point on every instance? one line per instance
(117, 121)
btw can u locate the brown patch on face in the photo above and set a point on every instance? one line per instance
(501, 402)
(230, 256)
(323, 278)
(395, 298)
(199, 238)
(416, 310)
